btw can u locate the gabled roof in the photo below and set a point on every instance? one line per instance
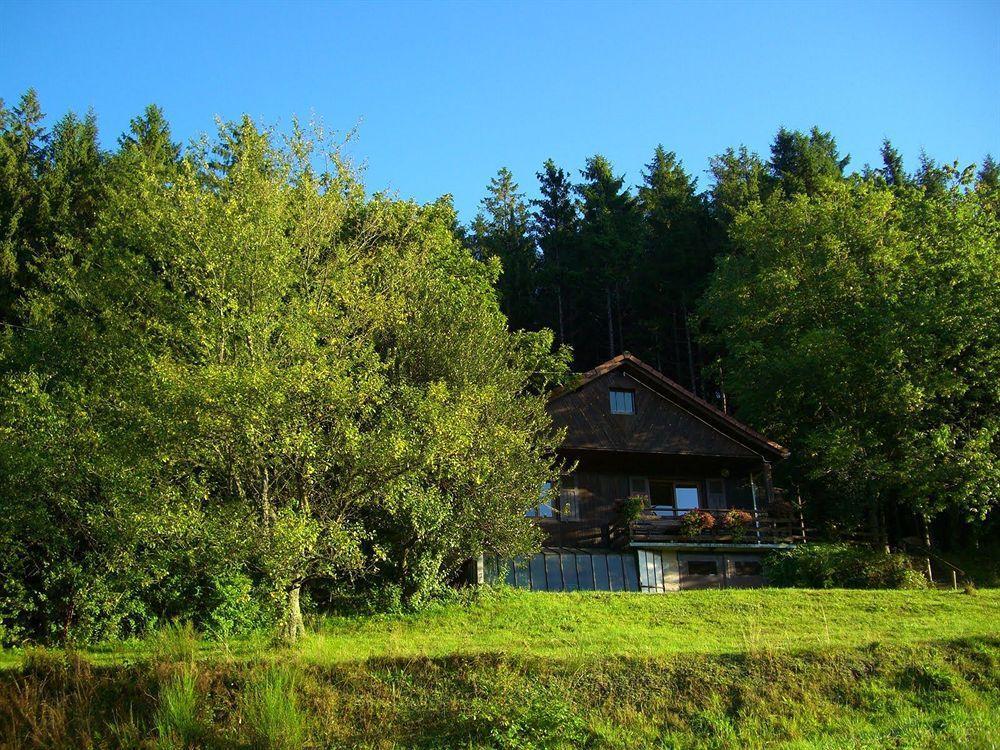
(681, 396)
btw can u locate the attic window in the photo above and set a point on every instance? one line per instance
(622, 401)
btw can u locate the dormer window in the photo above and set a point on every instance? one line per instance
(622, 401)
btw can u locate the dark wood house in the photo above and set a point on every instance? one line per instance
(631, 432)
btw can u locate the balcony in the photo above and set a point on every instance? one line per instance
(757, 528)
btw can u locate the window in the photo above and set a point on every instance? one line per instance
(544, 507)
(669, 497)
(566, 507)
(622, 401)
(685, 497)
(638, 486)
(703, 568)
(747, 568)
(569, 500)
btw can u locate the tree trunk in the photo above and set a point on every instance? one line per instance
(294, 627)
(690, 353)
(562, 332)
(611, 326)
(927, 545)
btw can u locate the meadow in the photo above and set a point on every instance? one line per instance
(504, 669)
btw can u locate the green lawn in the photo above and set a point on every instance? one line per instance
(583, 625)
(707, 670)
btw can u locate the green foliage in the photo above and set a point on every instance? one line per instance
(858, 325)
(178, 721)
(825, 566)
(175, 643)
(633, 507)
(319, 387)
(926, 688)
(270, 711)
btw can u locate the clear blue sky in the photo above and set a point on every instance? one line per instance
(446, 93)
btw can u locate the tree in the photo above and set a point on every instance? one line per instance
(23, 209)
(502, 230)
(739, 178)
(892, 170)
(803, 163)
(610, 239)
(554, 228)
(254, 378)
(857, 324)
(677, 258)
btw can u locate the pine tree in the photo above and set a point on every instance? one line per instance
(892, 170)
(989, 173)
(739, 178)
(23, 208)
(149, 135)
(501, 230)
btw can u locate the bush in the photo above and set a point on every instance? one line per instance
(826, 566)
(632, 507)
(695, 522)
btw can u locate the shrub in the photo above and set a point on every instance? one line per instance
(696, 521)
(825, 566)
(632, 507)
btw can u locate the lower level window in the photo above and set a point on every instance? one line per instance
(747, 568)
(703, 568)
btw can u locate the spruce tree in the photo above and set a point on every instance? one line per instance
(554, 225)
(610, 239)
(501, 230)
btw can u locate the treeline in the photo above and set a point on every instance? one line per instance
(854, 316)
(230, 381)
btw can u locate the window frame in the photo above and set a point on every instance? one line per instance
(662, 510)
(614, 391)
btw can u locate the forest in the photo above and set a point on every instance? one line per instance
(236, 385)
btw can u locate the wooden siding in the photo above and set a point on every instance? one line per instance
(659, 426)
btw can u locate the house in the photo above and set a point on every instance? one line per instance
(631, 432)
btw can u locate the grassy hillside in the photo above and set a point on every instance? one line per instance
(714, 669)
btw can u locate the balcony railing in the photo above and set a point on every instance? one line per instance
(761, 527)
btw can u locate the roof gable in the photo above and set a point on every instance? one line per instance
(669, 419)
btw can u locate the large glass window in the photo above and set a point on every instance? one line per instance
(622, 401)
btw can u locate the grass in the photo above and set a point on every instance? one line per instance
(701, 670)
(586, 625)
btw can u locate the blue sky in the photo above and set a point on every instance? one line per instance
(446, 93)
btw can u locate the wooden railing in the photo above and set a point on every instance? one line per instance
(760, 528)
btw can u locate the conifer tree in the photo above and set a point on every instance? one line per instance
(554, 227)
(502, 230)
(610, 240)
